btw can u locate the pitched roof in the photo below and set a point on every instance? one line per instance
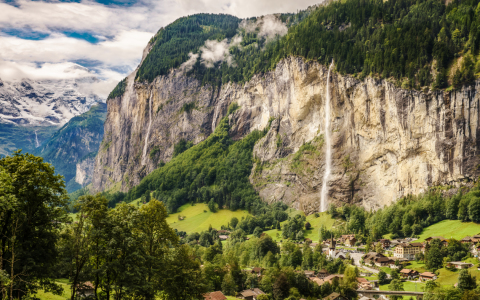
(361, 280)
(215, 296)
(332, 296)
(382, 259)
(316, 280)
(428, 274)
(251, 292)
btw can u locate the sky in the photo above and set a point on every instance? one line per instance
(49, 39)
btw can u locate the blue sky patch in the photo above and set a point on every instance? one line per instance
(25, 34)
(82, 36)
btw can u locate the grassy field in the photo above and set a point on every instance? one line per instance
(49, 296)
(417, 266)
(450, 229)
(199, 218)
(316, 223)
(407, 286)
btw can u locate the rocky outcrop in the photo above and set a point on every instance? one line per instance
(387, 141)
(84, 172)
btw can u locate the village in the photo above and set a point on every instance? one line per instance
(395, 259)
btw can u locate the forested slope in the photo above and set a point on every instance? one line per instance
(409, 41)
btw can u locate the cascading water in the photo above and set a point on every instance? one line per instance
(215, 116)
(144, 157)
(37, 143)
(328, 140)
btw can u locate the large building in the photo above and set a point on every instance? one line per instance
(407, 251)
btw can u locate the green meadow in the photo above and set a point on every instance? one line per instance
(450, 229)
(198, 218)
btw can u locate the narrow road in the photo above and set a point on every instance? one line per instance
(357, 257)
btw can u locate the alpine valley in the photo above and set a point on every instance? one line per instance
(332, 153)
(389, 138)
(59, 120)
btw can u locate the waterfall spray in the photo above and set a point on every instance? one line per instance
(37, 143)
(144, 157)
(328, 140)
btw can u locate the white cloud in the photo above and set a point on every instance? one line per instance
(123, 32)
(268, 27)
(187, 66)
(214, 51)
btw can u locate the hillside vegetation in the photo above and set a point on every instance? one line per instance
(450, 229)
(216, 170)
(403, 40)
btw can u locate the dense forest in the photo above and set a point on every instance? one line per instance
(416, 44)
(130, 252)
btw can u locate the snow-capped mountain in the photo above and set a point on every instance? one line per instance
(45, 102)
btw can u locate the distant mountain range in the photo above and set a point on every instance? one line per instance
(73, 147)
(60, 120)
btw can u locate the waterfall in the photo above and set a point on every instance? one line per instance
(144, 157)
(328, 140)
(215, 116)
(37, 143)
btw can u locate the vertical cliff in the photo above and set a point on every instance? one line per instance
(387, 142)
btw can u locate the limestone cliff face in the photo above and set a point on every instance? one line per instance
(387, 142)
(84, 171)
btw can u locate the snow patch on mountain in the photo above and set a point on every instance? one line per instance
(47, 102)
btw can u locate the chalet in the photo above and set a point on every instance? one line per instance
(322, 274)
(385, 243)
(215, 296)
(407, 251)
(223, 237)
(425, 276)
(363, 284)
(85, 290)
(348, 240)
(476, 238)
(407, 273)
(334, 296)
(309, 274)
(382, 261)
(307, 241)
(250, 294)
(459, 265)
(224, 232)
(370, 257)
(466, 240)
